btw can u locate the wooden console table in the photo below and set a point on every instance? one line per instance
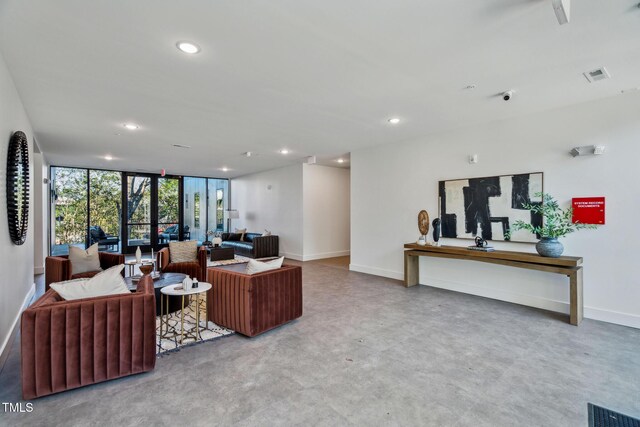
(568, 266)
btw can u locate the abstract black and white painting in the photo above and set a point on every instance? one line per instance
(487, 207)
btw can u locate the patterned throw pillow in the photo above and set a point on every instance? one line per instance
(186, 251)
(83, 261)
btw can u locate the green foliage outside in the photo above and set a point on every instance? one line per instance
(556, 222)
(106, 210)
(71, 205)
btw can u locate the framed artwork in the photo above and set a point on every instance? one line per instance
(487, 206)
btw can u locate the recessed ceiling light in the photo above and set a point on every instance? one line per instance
(108, 157)
(224, 169)
(394, 120)
(188, 47)
(131, 126)
(284, 151)
(340, 160)
(248, 154)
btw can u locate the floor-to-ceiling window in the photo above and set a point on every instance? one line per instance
(217, 203)
(195, 208)
(168, 210)
(89, 206)
(105, 209)
(138, 210)
(69, 196)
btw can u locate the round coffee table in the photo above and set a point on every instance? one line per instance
(177, 291)
(165, 279)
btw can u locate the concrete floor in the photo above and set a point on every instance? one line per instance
(367, 351)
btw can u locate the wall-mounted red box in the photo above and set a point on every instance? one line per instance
(588, 210)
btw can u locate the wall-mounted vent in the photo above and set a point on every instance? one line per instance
(597, 75)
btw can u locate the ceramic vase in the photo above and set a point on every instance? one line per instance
(138, 255)
(549, 247)
(187, 284)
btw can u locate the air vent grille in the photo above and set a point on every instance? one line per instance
(597, 75)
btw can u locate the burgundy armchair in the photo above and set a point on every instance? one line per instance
(58, 268)
(253, 304)
(197, 269)
(70, 344)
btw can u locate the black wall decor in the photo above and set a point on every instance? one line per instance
(18, 187)
(487, 206)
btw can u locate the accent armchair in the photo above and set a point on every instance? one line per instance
(197, 269)
(70, 344)
(253, 304)
(58, 268)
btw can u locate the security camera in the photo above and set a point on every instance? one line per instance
(507, 95)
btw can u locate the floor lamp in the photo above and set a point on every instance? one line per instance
(231, 214)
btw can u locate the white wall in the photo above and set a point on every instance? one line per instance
(326, 193)
(271, 200)
(391, 184)
(16, 262)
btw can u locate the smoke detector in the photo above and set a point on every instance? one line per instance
(587, 150)
(597, 75)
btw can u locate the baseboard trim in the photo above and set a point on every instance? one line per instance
(609, 316)
(289, 255)
(325, 255)
(4, 349)
(377, 271)
(502, 295)
(616, 317)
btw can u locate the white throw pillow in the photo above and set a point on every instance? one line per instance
(83, 261)
(186, 251)
(242, 232)
(107, 282)
(254, 266)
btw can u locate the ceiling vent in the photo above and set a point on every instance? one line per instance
(597, 75)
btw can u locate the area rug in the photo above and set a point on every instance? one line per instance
(212, 331)
(603, 417)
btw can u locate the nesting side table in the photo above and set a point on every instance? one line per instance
(176, 291)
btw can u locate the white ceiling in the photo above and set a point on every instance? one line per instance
(317, 77)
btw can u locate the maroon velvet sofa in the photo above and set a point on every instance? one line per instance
(253, 304)
(70, 344)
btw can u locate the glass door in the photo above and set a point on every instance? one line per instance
(139, 215)
(153, 217)
(168, 224)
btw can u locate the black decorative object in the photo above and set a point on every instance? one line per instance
(18, 187)
(436, 229)
(480, 242)
(489, 206)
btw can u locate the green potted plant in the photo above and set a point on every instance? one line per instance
(556, 223)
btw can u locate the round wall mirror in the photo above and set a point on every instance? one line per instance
(18, 187)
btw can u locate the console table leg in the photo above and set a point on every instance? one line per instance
(575, 297)
(411, 270)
